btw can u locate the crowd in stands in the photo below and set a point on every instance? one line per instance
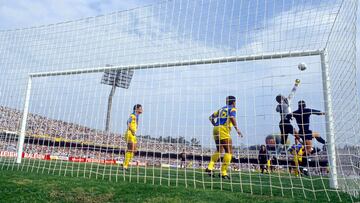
(42, 127)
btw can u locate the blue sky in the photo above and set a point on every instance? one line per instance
(22, 13)
(255, 83)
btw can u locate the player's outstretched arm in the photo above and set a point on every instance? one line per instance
(293, 90)
(317, 112)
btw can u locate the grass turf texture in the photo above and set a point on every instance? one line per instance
(42, 181)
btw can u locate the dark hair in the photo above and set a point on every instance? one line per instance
(137, 106)
(278, 98)
(230, 100)
(301, 104)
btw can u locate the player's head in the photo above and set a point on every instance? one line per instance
(279, 98)
(301, 104)
(272, 141)
(230, 100)
(262, 148)
(138, 109)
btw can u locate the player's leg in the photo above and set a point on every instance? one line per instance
(285, 129)
(308, 147)
(131, 149)
(307, 152)
(296, 165)
(266, 167)
(317, 136)
(308, 142)
(215, 157)
(263, 167)
(298, 158)
(283, 134)
(297, 137)
(227, 145)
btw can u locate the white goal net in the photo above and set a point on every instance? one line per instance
(68, 92)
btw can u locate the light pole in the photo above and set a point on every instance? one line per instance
(115, 78)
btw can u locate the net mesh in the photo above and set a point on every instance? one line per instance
(65, 127)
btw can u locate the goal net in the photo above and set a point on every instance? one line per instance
(68, 92)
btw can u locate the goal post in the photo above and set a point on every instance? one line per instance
(329, 119)
(21, 138)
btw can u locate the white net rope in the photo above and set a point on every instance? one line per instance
(66, 125)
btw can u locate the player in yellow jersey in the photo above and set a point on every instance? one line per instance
(223, 120)
(130, 134)
(298, 152)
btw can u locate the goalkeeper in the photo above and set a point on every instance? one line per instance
(130, 134)
(284, 109)
(223, 120)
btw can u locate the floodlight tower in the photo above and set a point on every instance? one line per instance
(115, 78)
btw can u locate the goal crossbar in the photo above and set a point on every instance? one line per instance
(266, 56)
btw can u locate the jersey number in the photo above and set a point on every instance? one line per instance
(223, 113)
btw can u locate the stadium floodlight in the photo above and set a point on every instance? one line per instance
(115, 78)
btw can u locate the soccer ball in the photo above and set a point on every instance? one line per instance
(302, 66)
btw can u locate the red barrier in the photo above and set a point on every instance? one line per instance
(64, 158)
(90, 160)
(93, 160)
(24, 155)
(109, 161)
(77, 159)
(8, 154)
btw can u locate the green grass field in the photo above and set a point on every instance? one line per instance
(42, 181)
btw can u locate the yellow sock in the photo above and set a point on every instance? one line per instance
(213, 160)
(226, 163)
(128, 157)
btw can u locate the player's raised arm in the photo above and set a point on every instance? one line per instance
(293, 90)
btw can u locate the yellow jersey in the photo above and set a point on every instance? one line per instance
(222, 127)
(132, 124)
